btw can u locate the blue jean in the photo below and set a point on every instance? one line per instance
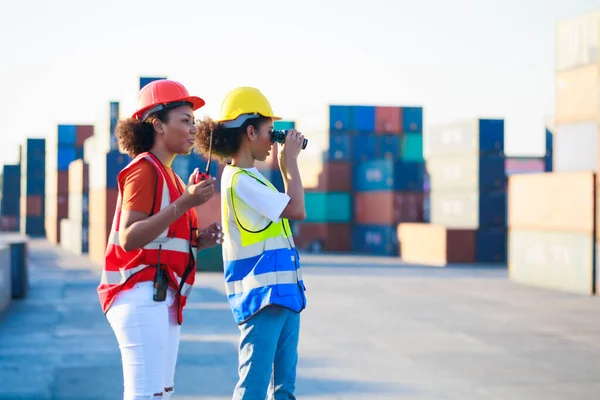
(268, 355)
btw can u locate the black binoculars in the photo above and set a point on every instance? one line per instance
(278, 136)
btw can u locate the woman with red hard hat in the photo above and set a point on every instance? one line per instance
(150, 264)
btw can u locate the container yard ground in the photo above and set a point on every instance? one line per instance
(389, 331)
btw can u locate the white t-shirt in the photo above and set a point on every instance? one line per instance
(257, 204)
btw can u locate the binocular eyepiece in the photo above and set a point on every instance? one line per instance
(278, 136)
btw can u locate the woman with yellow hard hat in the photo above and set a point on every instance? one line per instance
(263, 281)
(150, 264)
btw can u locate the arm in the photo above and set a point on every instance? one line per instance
(288, 163)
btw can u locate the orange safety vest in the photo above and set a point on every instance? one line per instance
(175, 246)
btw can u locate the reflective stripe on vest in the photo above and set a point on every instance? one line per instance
(261, 268)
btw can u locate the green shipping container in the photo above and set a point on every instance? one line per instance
(210, 260)
(325, 207)
(412, 147)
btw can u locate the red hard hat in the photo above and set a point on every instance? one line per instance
(156, 95)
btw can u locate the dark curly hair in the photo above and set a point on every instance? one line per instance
(136, 136)
(225, 141)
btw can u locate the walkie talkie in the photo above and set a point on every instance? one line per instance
(161, 281)
(202, 176)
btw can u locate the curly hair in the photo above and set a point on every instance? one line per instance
(225, 141)
(136, 136)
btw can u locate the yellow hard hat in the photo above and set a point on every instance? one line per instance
(243, 103)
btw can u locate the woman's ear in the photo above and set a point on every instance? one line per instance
(250, 132)
(157, 123)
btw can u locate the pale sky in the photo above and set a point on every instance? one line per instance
(63, 61)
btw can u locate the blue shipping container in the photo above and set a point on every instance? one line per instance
(363, 119)
(114, 119)
(339, 147)
(11, 190)
(146, 80)
(67, 134)
(340, 118)
(388, 175)
(379, 240)
(364, 147)
(115, 162)
(388, 146)
(548, 163)
(78, 153)
(281, 125)
(66, 155)
(412, 119)
(491, 135)
(491, 245)
(549, 144)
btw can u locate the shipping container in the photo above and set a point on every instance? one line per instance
(275, 177)
(319, 237)
(388, 119)
(388, 207)
(67, 135)
(340, 118)
(577, 41)
(379, 240)
(65, 156)
(549, 141)
(57, 182)
(144, 80)
(328, 207)
(57, 205)
(210, 260)
(78, 178)
(104, 169)
(113, 121)
(11, 190)
(412, 147)
(548, 161)
(468, 209)
(555, 201)
(524, 165)
(412, 119)
(364, 147)
(465, 137)
(335, 176)
(553, 260)
(33, 164)
(79, 208)
(10, 223)
(339, 147)
(32, 205)
(103, 203)
(83, 132)
(576, 147)
(74, 236)
(491, 245)
(389, 147)
(380, 175)
(363, 119)
(32, 226)
(576, 95)
(284, 125)
(435, 245)
(467, 172)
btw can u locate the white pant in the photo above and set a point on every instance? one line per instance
(148, 336)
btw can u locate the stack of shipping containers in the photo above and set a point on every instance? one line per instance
(531, 165)
(74, 230)
(327, 180)
(33, 166)
(11, 198)
(387, 152)
(552, 226)
(465, 164)
(105, 162)
(62, 149)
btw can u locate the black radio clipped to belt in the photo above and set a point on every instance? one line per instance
(161, 281)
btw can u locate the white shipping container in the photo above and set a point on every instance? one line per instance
(575, 147)
(577, 41)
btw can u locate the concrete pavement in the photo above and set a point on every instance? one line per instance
(374, 329)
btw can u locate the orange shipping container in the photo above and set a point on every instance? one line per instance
(78, 177)
(388, 208)
(577, 95)
(336, 176)
(57, 182)
(102, 205)
(98, 237)
(57, 205)
(552, 201)
(435, 244)
(388, 119)
(32, 206)
(82, 133)
(324, 237)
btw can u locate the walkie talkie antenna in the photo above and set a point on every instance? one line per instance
(209, 154)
